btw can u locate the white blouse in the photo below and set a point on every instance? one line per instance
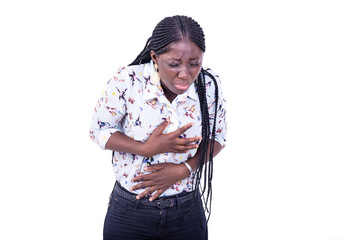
(135, 106)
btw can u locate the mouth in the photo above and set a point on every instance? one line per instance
(182, 86)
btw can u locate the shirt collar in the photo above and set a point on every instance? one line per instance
(152, 90)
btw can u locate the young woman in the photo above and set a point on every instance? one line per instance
(163, 117)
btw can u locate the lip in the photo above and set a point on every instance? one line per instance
(182, 86)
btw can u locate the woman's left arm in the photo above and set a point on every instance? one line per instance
(164, 175)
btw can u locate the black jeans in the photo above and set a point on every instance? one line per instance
(131, 220)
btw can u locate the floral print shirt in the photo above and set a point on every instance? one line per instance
(134, 105)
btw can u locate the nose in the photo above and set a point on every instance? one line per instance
(184, 73)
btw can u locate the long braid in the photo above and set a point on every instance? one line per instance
(167, 31)
(205, 164)
(144, 56)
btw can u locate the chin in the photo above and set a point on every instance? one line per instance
(179, 92)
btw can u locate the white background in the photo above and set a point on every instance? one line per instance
(290, 74)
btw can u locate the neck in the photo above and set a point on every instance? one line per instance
(168, 94)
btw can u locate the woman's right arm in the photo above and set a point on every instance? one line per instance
(110, 110)
(157, 143)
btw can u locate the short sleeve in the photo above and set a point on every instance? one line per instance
(110, 109)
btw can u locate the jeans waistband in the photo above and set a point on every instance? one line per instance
(161, 203)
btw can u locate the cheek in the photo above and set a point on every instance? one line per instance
(167, 75)
(195, 73)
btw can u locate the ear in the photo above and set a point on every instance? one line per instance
(153, 56)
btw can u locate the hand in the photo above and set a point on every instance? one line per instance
(163, 176)
(158, 142)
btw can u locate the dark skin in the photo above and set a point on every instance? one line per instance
(178, 69)
(156, 143)
(164, 175)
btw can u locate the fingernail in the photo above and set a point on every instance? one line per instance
(151, 199)
(137, 197)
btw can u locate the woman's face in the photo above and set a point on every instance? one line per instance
(178, 67)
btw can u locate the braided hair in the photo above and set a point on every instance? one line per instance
(170, 30)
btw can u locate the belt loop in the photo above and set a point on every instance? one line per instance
(112, 192)
(177, 204)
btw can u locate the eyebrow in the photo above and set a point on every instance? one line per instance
(179, 59)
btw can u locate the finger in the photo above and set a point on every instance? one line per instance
(186, 141)
(156, 195)
(141, 185)
(151, 176)
(144, 177)
(155, 167)
(183, 129)
(148, 191)
(161, 127)
(184, 149)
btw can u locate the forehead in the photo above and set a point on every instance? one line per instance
(183, 50)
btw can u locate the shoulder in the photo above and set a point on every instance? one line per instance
(214, 93)
(131, 76)
(210, 71)
(121, 76)
(212, 81)
(136, 71)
